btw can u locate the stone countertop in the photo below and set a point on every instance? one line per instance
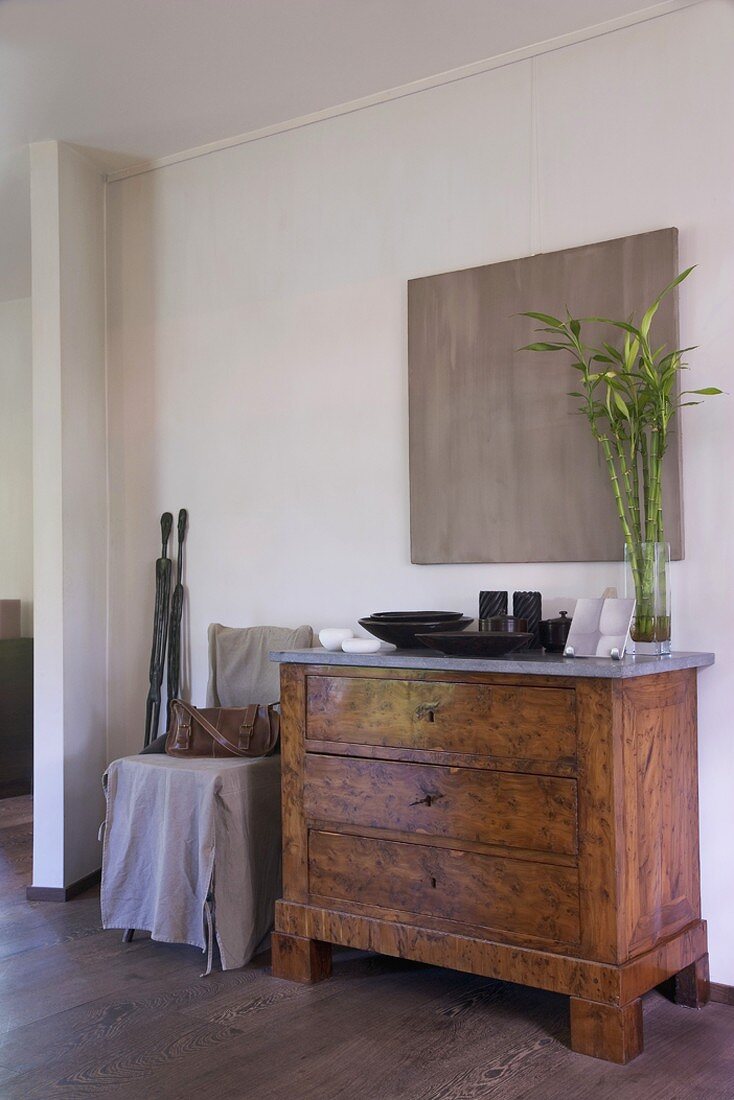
(526, 664)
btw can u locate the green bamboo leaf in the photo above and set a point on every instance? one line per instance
(647, 319)
(575, 327)
(707, 391)
(543, 346)
(631, 349)
(676, 355)
(575, 393)
(617, 324)
(601, 359)
(613, 352)
(648, 316)
(678, 279)
(546, 318)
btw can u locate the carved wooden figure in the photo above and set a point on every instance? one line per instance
(160, 632)
(174, 631)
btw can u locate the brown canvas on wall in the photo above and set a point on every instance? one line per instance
(502, 467)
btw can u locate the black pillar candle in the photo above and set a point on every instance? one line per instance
(492, 604)
(529, 606)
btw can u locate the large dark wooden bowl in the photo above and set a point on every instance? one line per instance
(416, 616)
(404, 635)
(476, 643)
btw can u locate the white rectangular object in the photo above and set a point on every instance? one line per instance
(600, 628)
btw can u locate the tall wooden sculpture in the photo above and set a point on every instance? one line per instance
(160, 632)
(174, 630)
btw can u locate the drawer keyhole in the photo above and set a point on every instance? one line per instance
(426, 712)
(427, 800)
(433, 882)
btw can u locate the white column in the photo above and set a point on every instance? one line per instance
(70, 511)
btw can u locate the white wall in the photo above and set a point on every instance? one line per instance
(258, 361)
(16, 458)
(70, 512)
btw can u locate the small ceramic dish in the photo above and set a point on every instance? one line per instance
(331, 637)
(361, 645)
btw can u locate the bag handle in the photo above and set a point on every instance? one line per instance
(250, 716)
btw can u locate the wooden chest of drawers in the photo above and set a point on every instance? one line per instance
(537, 829)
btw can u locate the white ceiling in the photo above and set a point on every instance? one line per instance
(135, 79)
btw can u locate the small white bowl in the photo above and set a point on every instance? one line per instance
(331, 637)
(361, 645)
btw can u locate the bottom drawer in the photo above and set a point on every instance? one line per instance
(512, 895)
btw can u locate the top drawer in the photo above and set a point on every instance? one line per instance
(532, 723)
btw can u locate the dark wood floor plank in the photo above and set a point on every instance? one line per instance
(16, 811)
(131, 1064)
(426, 1024)
(38, 983)
(92, 1026)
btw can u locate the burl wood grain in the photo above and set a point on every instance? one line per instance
(659, 880)
(292, 737)
(443, 828)
(491, 720)
(525, 811)
(661, 962)
(598, 826)
(559, 767)
(299, 959)
(483, 954)
(605, 1031)
(479, 890)
(692, 986)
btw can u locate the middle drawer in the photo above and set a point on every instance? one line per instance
(495, 808)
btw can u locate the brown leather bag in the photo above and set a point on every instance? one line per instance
(222, 731)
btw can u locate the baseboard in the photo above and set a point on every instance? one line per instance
(63, 893)
(722, 994)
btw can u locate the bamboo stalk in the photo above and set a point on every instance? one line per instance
(632, 501)
(654, 486)
(629, 541)
(634, 465)
(645, 459)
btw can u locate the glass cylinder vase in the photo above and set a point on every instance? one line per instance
(647, 579)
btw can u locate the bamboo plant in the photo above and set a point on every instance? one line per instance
(630, 394)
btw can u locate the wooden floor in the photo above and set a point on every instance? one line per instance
(82, 1014)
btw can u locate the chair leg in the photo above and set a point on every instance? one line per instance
(127, 935)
